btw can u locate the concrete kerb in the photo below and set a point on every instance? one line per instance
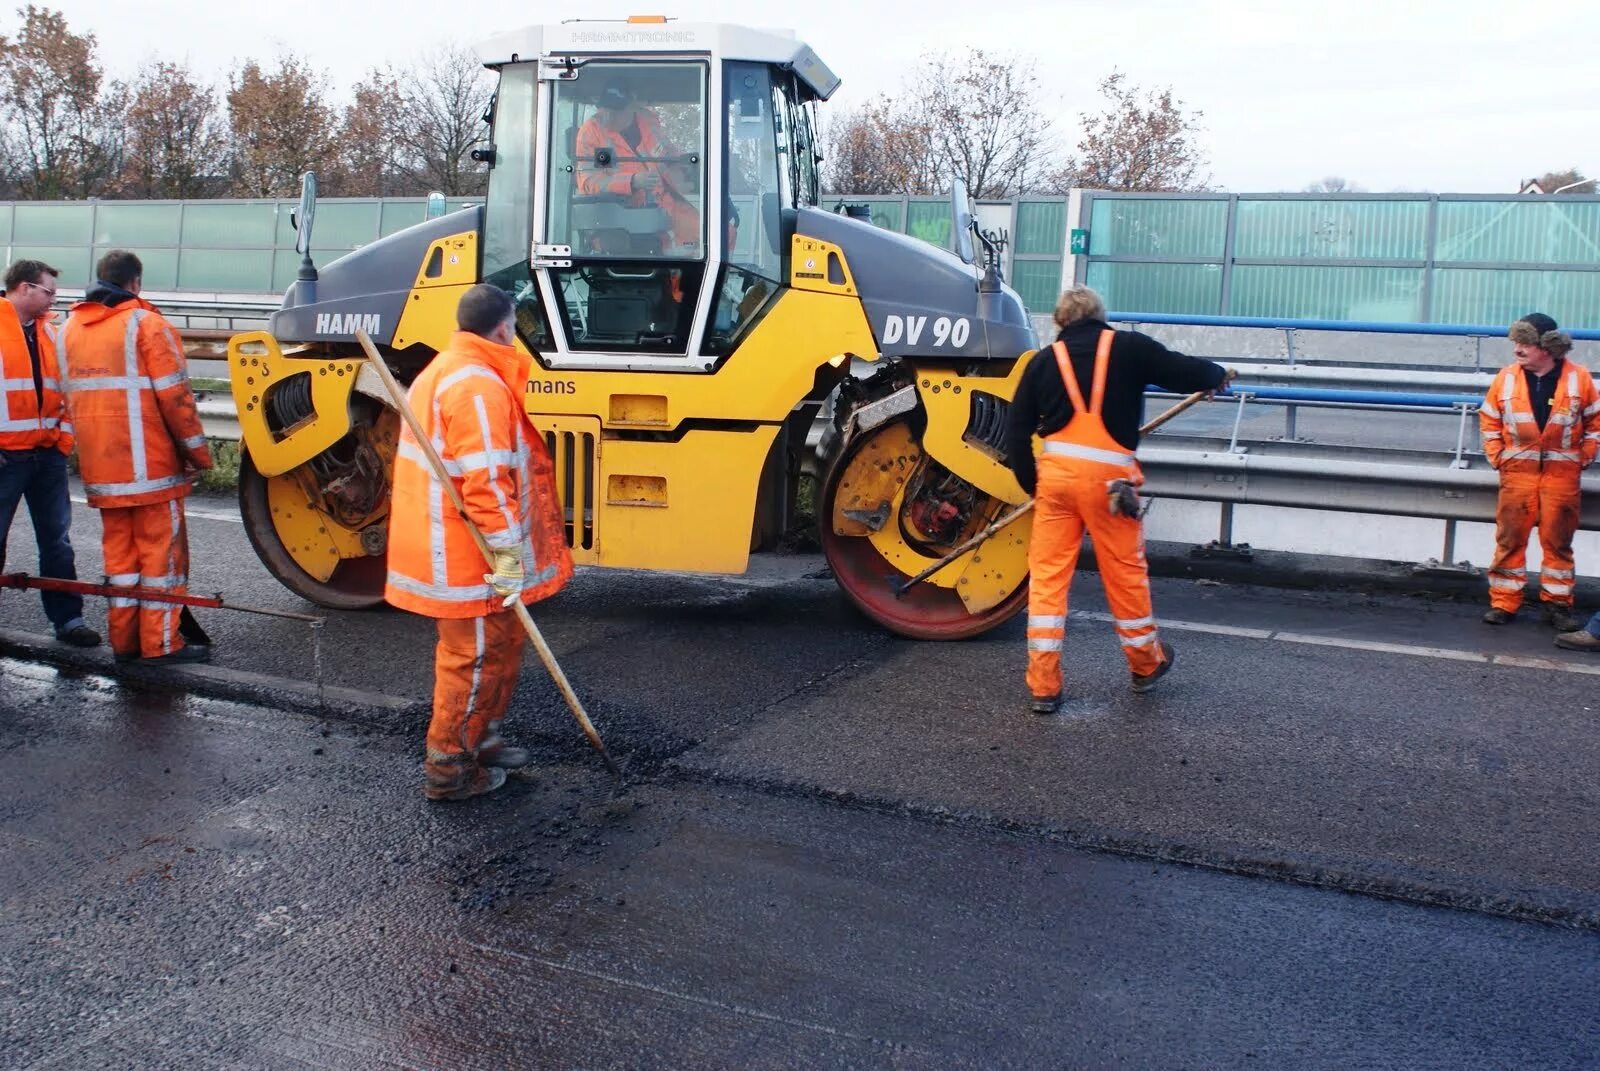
(220, 682)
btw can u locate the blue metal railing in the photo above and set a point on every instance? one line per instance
(1335, 396)
(1370, 326)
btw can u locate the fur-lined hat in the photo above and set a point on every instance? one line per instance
(1537, 329)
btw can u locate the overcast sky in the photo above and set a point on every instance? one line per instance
(1466, 96)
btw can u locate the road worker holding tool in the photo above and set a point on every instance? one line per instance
(1541, 428)
(1086, 478)
(140, 445)
(467, 403)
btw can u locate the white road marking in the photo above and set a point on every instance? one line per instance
(1446, 654)
(189, 511)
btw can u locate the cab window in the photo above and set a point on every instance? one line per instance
(627, 186)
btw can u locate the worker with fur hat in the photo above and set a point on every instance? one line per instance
(1541, 427)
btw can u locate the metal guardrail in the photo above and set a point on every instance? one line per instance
(1366, 327)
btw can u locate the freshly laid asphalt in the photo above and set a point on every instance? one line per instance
(1347, 831)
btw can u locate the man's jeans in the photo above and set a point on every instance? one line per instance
(40, 476)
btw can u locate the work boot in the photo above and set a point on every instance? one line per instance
(78, 634)
(460, 780)
(500, 754)
(1046, 704)
(195, 653)
(1497, 616)
(1143, 683)
(1578, 640)
(1560, 617)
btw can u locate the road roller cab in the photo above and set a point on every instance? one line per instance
(653, 210)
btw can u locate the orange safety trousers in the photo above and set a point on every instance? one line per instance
(1077, 464)
(147, 547)
(475, 670)
(1548, 500)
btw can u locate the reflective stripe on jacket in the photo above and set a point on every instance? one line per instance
(468, 402)
(1512, 439)
(27, 420)
(128, 392)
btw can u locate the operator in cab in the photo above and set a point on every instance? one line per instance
(621, 150)
(468, 401)
(1084, 396)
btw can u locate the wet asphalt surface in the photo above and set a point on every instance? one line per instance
(835, 849)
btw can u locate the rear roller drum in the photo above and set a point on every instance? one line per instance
(321, 528)
(886, 512)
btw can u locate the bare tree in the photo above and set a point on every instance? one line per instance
(1335, 184)
(875, 149)
(368, 160)
(443, 100)
(981, 119)
(176, 140)
(279, 127)
(61, 132)
(1142, 141)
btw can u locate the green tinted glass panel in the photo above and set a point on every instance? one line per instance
(1038, 282)
(1547, 231)
(1195, 289)
(1357, 230)
(1158, 228)
(885, 213)
(1041, 227)
(1487, 296)
(137, 227)
(229, 226)
(54, 224)
(160, 265)
(930, 221)
(285, 266)
(5, 223)
(74, 263)
(233, 270)
(398, 215)
(341, 226)
(1388, 294)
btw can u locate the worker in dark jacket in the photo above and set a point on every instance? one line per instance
(1084, 396)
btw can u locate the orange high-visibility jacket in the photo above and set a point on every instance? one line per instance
(128, 392)
(469, 403)
(617, 179)
(1512, 440)
(28, 422)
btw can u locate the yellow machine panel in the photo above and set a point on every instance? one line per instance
(947, 397)
(315, 541)
(256, 364)
(683, 505)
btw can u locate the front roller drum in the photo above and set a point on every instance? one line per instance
(865, 488)
(308, 551)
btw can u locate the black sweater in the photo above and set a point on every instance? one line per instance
(1042, 405)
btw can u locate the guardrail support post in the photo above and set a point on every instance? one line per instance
(1224, 546)
(1238, 418)
(1460, 461)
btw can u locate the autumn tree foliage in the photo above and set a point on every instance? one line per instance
(443, 101)
(1142, 140)
(59, 129)
(177, 143)
(279, 127)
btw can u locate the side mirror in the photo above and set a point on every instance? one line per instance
(961, 221)
(305, 213)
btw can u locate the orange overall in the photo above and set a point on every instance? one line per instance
(1075, 467)
(1539, 470)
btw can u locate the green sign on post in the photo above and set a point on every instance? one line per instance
(1080, 242)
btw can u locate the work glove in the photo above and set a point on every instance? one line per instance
(507, 576)
(1121, 498)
